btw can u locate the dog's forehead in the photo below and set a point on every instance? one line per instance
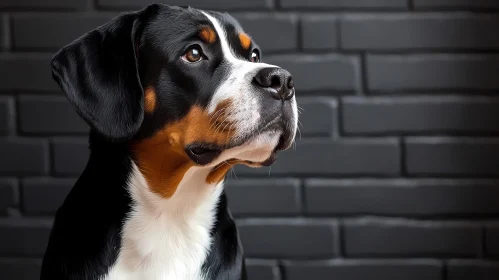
(175, 22)
(225, 20)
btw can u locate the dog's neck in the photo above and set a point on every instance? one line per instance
(133, 233)
(194, 189)
(168, 236)
(193, 194)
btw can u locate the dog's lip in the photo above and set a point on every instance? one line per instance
(202, 154)
(256, 132)
(243, 140)
(281, 146)
(285, 141)
(205, 153)
(271, 122)
(269, 161)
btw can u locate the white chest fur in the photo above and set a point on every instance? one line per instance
(167, 239)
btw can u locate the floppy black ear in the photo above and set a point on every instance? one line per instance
(98, 72)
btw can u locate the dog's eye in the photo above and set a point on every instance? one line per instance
(193, 54)
(255, 57)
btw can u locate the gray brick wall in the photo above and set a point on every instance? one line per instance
(396, 171)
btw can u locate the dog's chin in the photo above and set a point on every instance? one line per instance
(259, 151)
(256, 148)
(256, 151)
(262, 150)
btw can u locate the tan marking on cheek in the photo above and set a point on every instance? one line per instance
(162, 162)
(218, 173)
(245, 40)
(150, 100)
(214, 128)
(162, 158)
(208, 35)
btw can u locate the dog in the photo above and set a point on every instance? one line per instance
(174, 97)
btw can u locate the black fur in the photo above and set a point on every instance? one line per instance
(104, 74)
(85, 238)
(225, 261)
(98, 73)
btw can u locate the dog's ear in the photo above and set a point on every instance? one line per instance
(99, 74)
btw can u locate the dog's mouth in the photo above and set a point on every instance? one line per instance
(268, 162)
(203, 154)
(206, 153)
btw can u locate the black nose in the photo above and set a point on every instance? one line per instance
(277, 81)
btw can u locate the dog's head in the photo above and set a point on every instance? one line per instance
(184, 88)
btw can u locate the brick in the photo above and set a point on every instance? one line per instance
(43, 196)
(31, 31)
(262, 269)
(200, 4)
(346, 157)
(264, 196)
(49, 115)
(288, 238)
(432, 72)
(26, 72)
(345, 4)
(24, 237)
(43, 5)
(320, 72)
(319, 32)
(22, 156)
(472, 270)
(418, 31)
(70, 155)
(7, 117)
(4, 32)
(272, 32)
(419, 115)
(364, 269)
(26, 269)
(432, 4)
(8, 194)
(492, 239)
(395, 197)
(445, 156)
(319, 117)
(369, 237)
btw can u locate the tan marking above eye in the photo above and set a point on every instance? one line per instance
(162, 158)
(208, 35)
(150, 99)
(245, 40)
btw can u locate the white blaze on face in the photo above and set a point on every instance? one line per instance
(237, 86)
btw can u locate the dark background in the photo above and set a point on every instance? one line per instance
(396, 173)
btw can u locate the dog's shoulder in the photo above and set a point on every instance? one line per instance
(86, 234)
